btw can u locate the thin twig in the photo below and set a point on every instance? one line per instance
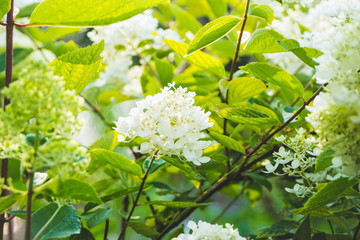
(232, 71)
(35, 44)
(356, 232)
(306, 88)
(2, 23)
(96, 111)
(331, 227)
(137, 198)
(106, 231)
(125, 209)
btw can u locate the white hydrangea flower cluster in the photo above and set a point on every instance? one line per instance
(203, 230)
(301, 156)
(171, 124)
(121, 40)
(335, 114)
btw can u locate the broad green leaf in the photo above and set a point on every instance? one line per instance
(212, 32)
(5, 6)
(73, 189)
(304, 231)
(243, 88)
(185, 19)
(264, 41)
(155, 165)
(227, 142)
(18, 213)
(149, 84)
(55, 221)
(164, 71)
(143, 229)
(115, 195)
(109, 141)
(19, 55)
(60, 47)
(116, 160)
(347, 204)
(79, 67)
(263, 11)
(50, 34)
(277, 76)
(87, 12)
(324, 160)
(305, 54)
(218, 7)
(9, 201)
(176, 204)
(261, 180)
(85, 234)
(280, 228)
(98, 216)
(199, 59)
(246, 116)
(183, 166)
(108, 97)
(327, 194)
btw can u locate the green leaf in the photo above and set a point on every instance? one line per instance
(264, 41)
(18, 213)
(327, 194)
(277, 76)
(227, 142)
(5, 6)
(261, 180)
(218, 7)
(347, 204)
(19, 55)
(185, 19)
(262, 11)
(246, 116)
(60, 47)
(176, 204)
(164, 71)
(155, 165)
(108, 141)
(183, 166)
(143, 229)
(280, 228)
(84, 235)
(9, 201)
(98, 216)
(324, 160)
(243, 88)
(304, 231)
(108, 97)
(212, 32)
(79, 67)
(199, 59)
(87, 12)
(149, 84)
(72, 189)
(115, 195)
(50, 34)
(305, 54)
(116, 160)
(55, 221)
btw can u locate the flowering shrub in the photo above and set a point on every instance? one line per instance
(126, 119)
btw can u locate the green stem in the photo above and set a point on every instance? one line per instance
(30, 190)
(47, 223)
(122, 233)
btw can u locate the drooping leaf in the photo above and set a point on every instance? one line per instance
(183, 166)
(164, 71)
(304, 231)
(9, 201)
(227, 142)
(280, 228)
(5, 6)
(199, 59)
(243, 88)
(327, 194)
(305, 54)
(72, 189)
(84, 234)
(55, 221)
(143, 229)
(176, 204)
(149, 84)
(116, 160)
(324, 160)
(87, 12)
(218, 7)
(212, 32)
(277, 76)
(263, 11)
(246, 116)
(185, 19)
(264, 41)
(98, 216)
(115, 195)
(79, 67)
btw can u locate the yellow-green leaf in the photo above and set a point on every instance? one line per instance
(227, 142)
(264, 41)
(243, 88)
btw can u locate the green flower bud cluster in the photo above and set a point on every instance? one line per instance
(35, 127)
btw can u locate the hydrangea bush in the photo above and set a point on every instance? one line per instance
(203, 119)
